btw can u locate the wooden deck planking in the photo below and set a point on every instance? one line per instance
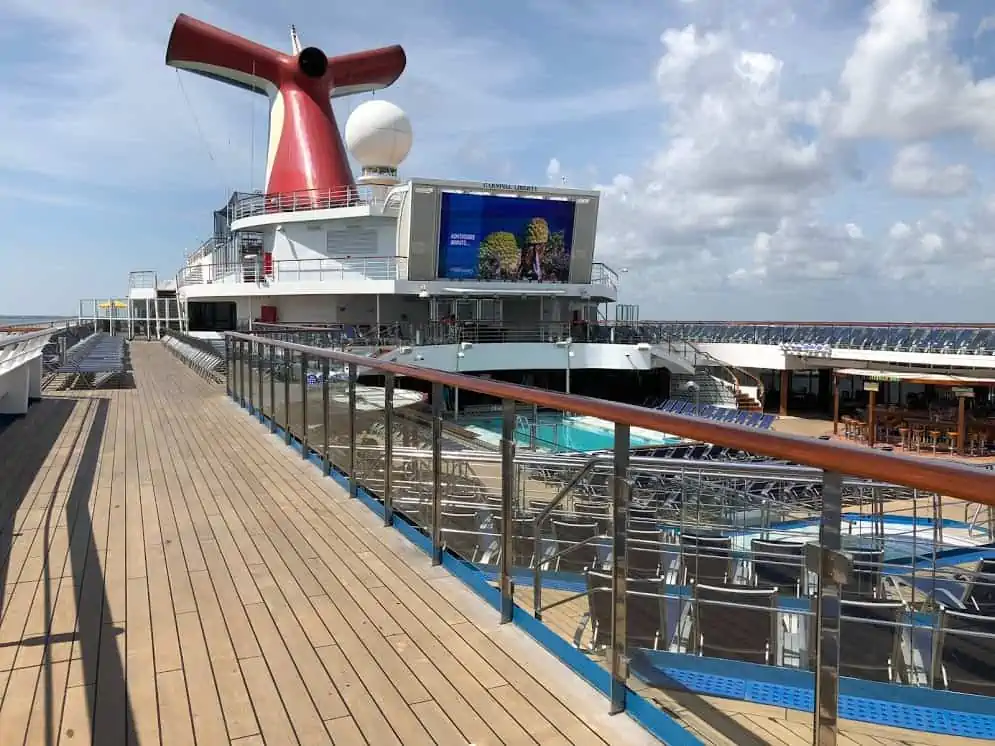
(173, 575)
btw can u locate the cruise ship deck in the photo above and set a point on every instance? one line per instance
(173, 574)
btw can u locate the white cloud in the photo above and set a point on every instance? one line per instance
(940, 251)
(903, 80)
(916, 172)
(735, 198)
(734, 158)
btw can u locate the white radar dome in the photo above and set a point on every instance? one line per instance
(378, 134)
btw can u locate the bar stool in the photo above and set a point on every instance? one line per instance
(934, 439)
(903, 438)
(952, 440)
(918, 437)
(979, 443)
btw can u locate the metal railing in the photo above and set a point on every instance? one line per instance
(594, 516)
(295, 270)
(50, 344)
(310, 199)
(602, 274)
(970, 339)
(143, 279)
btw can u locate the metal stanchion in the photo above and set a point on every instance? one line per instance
(288, 371)
(353, 485)
(620, 565)
(272, 389)
(507, 507)
(305, 450)
(436, 473)
(832, 568)
(228, 364)
(325, 460)
(248, 371)
(388, 455)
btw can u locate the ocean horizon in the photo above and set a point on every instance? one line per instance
(24, 320)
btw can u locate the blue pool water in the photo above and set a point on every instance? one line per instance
(561, 434)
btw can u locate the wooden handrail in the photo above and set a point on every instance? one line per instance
(954, 480)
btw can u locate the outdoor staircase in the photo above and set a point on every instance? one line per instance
(711, 389)
(747, 403)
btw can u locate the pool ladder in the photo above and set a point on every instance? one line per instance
(527, 427)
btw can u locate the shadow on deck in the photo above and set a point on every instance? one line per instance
(172, 575)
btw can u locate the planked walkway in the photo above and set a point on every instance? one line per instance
(170, 574)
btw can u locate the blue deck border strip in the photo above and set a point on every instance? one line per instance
(649, 716)
(915, 708)
(912, 708)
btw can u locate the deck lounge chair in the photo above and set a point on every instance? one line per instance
(778, 564)
(735, 623)
(645, 613)
(964, 653)
(706, 559)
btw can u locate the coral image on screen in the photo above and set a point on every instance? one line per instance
(517, 239)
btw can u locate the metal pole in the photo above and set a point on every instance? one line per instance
(567, 347)
(248, 371)
(507, 507)
(325, 460)
(259, 376)
(831, 571)
(288, 371)
(228, 364)
(305, 450)
(620, 566)
(388, 447)
(353, 487)
(272, 389)
(241, 373)
(436, 473)
(456, 389)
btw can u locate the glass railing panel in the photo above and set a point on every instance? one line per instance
(741, 573)
(412, 466)
(371, 436)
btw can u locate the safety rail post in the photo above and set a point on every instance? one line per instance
(241, 373)
(288, 371)
(326, 462)
(388, 449)
(248, 373)
(620, 567)
(228, 365)
(832, 569)
(272, 389)
(507, 507)
(353, 484)
(259, 377)
(436, 473)
(304, 439)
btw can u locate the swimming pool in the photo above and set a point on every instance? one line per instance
(559, 433)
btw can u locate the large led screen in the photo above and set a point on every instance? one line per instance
(482, 237)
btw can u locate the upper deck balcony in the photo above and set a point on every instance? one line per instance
(339, 274)
(179, 574)
(254, 210)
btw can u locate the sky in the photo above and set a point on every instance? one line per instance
(757, 159)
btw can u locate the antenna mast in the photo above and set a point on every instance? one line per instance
(295, 43)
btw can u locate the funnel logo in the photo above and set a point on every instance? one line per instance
(305, 148)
